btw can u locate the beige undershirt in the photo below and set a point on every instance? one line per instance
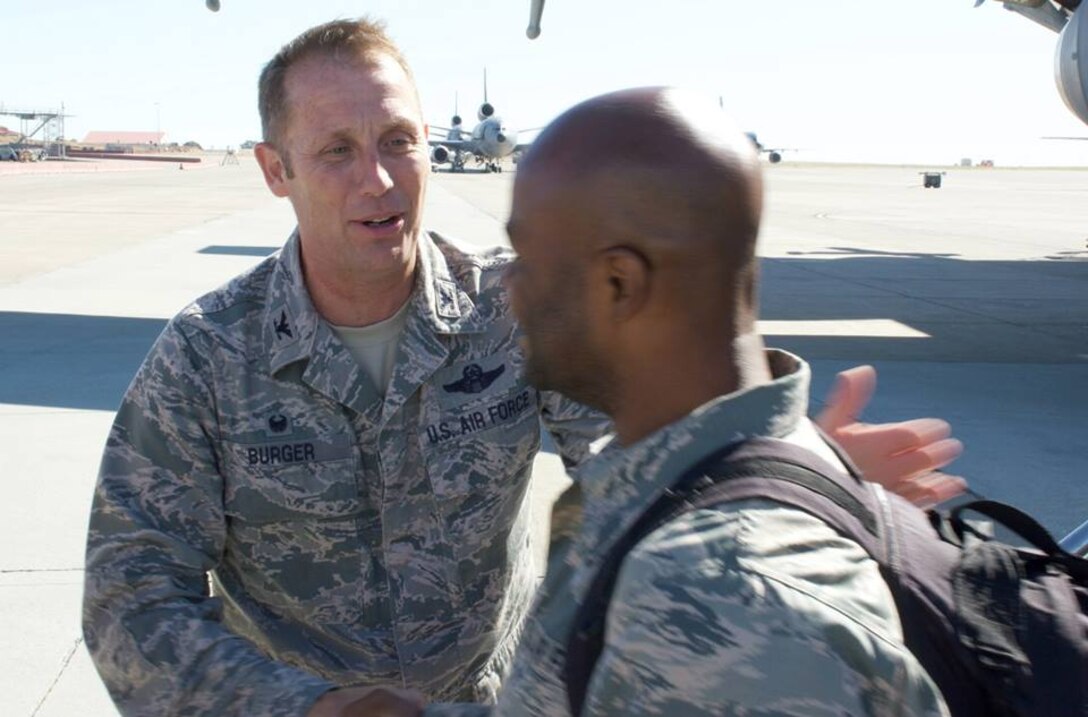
(374, 347)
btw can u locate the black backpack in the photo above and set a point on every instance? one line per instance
(1001, 630)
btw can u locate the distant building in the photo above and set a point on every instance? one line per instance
(132, 140)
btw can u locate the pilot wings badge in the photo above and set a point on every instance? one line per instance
(474, 379)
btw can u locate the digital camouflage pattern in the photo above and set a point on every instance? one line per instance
(349, 540)
(751, 608)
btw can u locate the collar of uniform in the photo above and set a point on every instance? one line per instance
(442, 300)
(290, 320)
(622, 482)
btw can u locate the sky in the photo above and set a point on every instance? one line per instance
(909, 81)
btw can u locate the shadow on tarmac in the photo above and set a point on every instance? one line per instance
(232, 250)
(69, 361)
(953, 310)
(961, 311)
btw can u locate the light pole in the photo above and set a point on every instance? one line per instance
(158, 125)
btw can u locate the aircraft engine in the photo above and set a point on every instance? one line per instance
(1071, 63)
(440, 155)
(212, 5)
(455, 120)
(774, 157)
(486, 110)
(535, 11)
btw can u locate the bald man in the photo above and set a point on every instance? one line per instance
(635, 219)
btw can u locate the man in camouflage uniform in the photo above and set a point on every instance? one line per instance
(340, 439)
(360, 520)
(745, 608)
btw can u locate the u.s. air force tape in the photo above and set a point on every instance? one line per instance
(500, 412)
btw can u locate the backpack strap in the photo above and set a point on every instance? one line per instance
(753, 468)
(1023, 525)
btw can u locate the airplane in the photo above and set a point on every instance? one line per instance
(1068, 18)
(490, 141)
(774, 155)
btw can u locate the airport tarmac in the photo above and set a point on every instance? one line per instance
(971, 300)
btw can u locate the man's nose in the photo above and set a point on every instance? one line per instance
(374, 178)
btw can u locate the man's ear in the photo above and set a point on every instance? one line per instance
(628, 275)
(275, 171)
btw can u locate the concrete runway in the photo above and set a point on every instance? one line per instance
(971, 300)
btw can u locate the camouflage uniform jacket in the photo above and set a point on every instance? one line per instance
(348, 539)
(749, 608)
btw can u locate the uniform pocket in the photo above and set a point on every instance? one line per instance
(300, 479)
(296, 533)
(479, 456)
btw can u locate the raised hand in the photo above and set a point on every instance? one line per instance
(903, 457)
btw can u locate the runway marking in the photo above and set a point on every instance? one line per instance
(60, 673)
(877, 328)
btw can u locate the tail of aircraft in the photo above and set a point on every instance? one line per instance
(486, 110)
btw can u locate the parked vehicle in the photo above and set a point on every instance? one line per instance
(29, 152)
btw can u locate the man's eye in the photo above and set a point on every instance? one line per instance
(338, 149)
(400, 142)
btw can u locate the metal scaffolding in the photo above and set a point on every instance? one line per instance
(49, 123)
